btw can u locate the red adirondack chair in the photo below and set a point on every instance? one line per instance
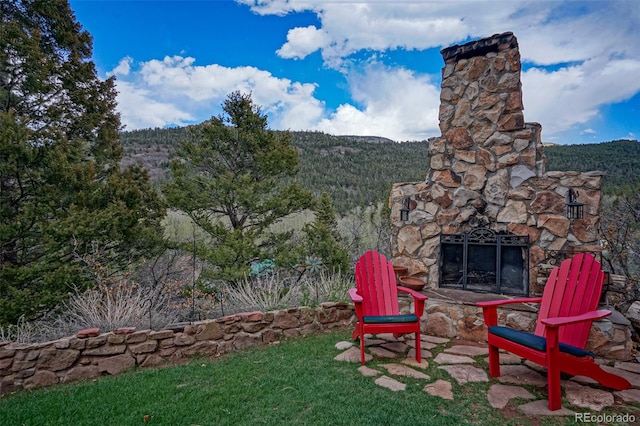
(567, 309)
(376, 301)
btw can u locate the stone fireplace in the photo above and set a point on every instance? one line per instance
(486, 173)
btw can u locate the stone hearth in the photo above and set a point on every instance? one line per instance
(453, 313)
(487, 169)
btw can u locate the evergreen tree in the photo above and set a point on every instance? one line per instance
(67, 210)
(322, 238)
(234, 178)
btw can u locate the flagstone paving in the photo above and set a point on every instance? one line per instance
(440, 388)
(461, 360)
(389, 383)
(443, 358)
(403, 370)
(499, 395)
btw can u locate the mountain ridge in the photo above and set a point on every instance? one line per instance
(359, 170)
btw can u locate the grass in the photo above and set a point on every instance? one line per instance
(296, 382)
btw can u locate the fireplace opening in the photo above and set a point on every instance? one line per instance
(485, 261)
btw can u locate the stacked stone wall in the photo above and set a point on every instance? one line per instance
(27, 366)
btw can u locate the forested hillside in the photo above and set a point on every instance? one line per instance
(353, 170)
(619, 159)
(357, 171)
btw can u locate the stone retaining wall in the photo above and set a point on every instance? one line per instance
(27, 366)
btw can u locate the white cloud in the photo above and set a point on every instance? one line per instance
(124, 67)
(572, 95)
(549, 32)
(588, 131)
(580, 56)
(597, 39)
(303, 41)
(176, 91)
(397, 103)
(140, 108)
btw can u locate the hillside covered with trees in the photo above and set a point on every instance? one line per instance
(358, 171)
(620, 160)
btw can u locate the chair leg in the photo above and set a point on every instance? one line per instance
(360, 330)
(494, 361)
(418, 350)
(585, 366)
(553, 384)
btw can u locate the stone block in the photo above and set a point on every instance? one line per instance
(292, 332)
(244, 340)
(144, 347)
(23, 374)
(7, 353)
(271, 336)
(88, 332)
(94, 342)
(438, 324)
(153, 360)
(57, 359)
(84, 372)
(206, 347)
(472, 329)
(252, 316)
(138, 336)
(115, 339)
(209, 331)
(19, 365)
(40, 379)
(61, 344)
(124, 330)
(166, 343)
(160, 335)
(79, 344)
(7, 385)
(182, 339)
(116, 364)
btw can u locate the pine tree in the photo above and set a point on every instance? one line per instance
(67, 209)
(322, 238)
(235, 178)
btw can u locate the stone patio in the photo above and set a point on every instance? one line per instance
(466, 362)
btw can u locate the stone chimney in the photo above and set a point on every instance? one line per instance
(487, 169)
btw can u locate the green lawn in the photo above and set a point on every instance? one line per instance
(295, 382)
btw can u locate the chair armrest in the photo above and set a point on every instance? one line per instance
(415, 294)
(355, 297)
(490, 308)
(357, 302)
(418, 300)
(492, 303)
(552, 325)
(589, 316)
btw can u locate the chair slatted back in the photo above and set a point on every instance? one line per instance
(573, 288)
(376, 283)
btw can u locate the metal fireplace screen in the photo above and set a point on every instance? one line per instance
(485, 261)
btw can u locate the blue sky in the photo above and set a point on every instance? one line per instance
(364, 68)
